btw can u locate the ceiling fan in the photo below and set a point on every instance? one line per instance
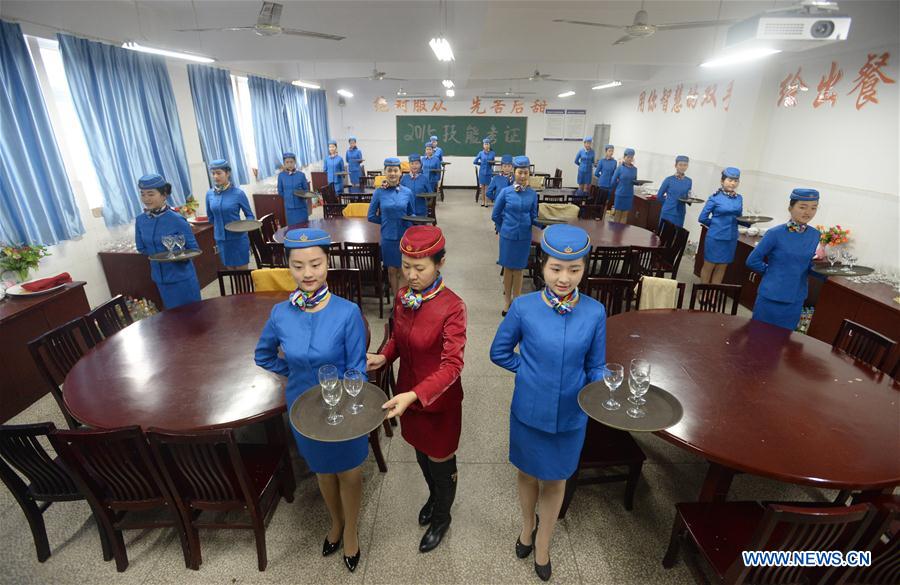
(641, 28)
(536, 76)
(377, 75)
(402, 93)
(267, 25)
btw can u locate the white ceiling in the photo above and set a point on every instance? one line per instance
(490, 39)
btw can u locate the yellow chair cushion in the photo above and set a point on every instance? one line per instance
(557, 211)
(536, 183)
(378, 180)
(404, 167)
(273, 280)
(356, 210)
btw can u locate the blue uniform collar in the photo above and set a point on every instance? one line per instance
(156, 213)
(224, 187)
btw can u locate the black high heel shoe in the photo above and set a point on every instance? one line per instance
(351, 562)
(523, 550)
(543, 571)
(329, 548)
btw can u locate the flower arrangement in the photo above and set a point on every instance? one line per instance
(21, 259)
(833, 236)
(189, 209)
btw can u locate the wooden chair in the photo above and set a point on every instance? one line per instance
(384, 377)
(239, 282)
(21, 451)
(646, 262)
(335, 255)
(666, 231)
(679, 301)
(208, 471)
(589, 211)
(269, 226)
(56, 352)
(266, 254)
(605, 448)
(554, 182)
(366, 257)
(863, 343)
(273, 280)
(109, 318)
(114, 470)
(346, 283)
(714, 297)
(883, 541)
(612, 262)
(616, 294)
(721, 530)
(552, 199)
(673, 252)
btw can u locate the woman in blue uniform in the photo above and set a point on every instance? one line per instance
(515, 211)
(292, 179)
(502, 180)
(484, 160)
(606, 167)
(720, 215)
(622, 185)
(354, 158)
(314, 328)
(673, 188)
(585, 161)
(561, 336)
(784, 258)
(418, 183)
(334, 164)
(438, 151)
(176, 281)
(224, 204)
(431, 167)
(389, 204)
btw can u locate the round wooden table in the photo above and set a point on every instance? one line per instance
(766, 401)
(184, 369)
(610, 234)
(348, 229)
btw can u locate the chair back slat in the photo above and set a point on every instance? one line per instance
(269, 226)
(674, 250)
(346, 283)
(863, 343)
(365, 257)
(645, 261)
(666, 232)
(21, 449)
(883, 541)
(335, 255)
(609, 262)
(203, 471)
(239, 282)
(714, 298)
(109, 318)
(616, 294)
(57, 351)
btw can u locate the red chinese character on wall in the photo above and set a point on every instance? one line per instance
(438, 106)
(651, 101)
(869, 76)
(518, 107)
(539, 106)
(676, 99)
(826, 85)
(692, 98)
(497, 106)
(419, 106)
(475, 108)
(381, 104)
(709, 96)
(401, 105)
(790, 85)
(726, 101)
(666, 94)
(641, 99)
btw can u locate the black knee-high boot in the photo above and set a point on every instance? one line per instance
(426, 511)
(443, 473)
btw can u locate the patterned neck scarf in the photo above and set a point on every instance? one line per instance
(413, 300)
(796, 227)
(388, 187)
(304, 300)
(519, 188)
(561, 305)
(731, 195)
(218, 189)
(154, 213)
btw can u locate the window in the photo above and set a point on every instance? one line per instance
(245, 120)
(66, 125)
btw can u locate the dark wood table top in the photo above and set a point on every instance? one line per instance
(876, 291)
(610, 234)
(11, 307)
(183, 369)
(350, 190)
(763, 400)
(347, 229)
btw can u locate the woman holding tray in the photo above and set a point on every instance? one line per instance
(292, 179)
(720, 215)
(390, 203)
(224, 203)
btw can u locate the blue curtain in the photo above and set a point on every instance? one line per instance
(318, 115)
(217, 118)
(37, 205)
(296, 113)
(127, 109)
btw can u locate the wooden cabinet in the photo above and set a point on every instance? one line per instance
(21, 321)
(645, 212)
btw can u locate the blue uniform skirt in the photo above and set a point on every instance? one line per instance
(322, 457)
(786, 315)
(514, 253)
(546, 456)
(183, 292)
(354, 176)
(485, 179)
(672, 216)
(623, 202)
(390, 253)
(719, 251)
(295, 216)
(584, 176)
(234, 252)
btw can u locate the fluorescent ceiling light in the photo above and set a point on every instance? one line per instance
(441, 48)
(344, 93)
(569, 93)
(740, 57)
(301, 83)
(447, 83)
(607, 85)
(451, 92)
(401, 93)
(174, 54)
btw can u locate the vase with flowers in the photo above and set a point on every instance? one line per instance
(189, 209)
(833, 236)
(21, 259)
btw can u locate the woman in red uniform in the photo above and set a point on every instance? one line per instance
(429, 337)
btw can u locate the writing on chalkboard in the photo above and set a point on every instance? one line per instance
(463, 135)
(471, 135)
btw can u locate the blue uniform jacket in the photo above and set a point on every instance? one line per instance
(439, 152)
(515, 212)
(287, 184)
(558, 355)
(671, 190)
(418, 185)
(605, 170)
(225, 207)
(485, 162)
(333, 165)
(354, 156)
(431, 168)
(622, 185)
(148, 234)
(393, 204)
(720, 215)
(585, 160)
(784, 258)
(498, 183)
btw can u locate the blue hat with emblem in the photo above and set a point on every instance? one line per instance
(220, 163)
(608, 146)
(285, 155)
(429, 145)
(804, 195)
(628, 152)
(151, 181)
(487, 140)
(392, 161)
(415, 158)
(521, 162)
(351, 139)
(682, 158)
(732, 172)
(332, 141)
(306, 238)
(433, 138)
(588, 139)
(566, 242)
(506, 159)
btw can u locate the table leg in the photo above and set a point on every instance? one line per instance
(716, 484)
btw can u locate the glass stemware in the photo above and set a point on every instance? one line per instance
(613, 375)
(179, 244)
(638, 387)
(169, 243)
(353, 385)
(331, 392)
(832, 257)
(845, 259)
(640, 371)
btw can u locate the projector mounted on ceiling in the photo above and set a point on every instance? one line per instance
(810, 24)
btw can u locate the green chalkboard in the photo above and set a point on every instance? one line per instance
(462, 135)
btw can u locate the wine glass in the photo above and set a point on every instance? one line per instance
(845, 259)
(832, 257)
(851, 260)
(179, 244)
(638, 387)
(169, 243)
(613, 374)
(353, 385)
(640, 371)
(331, 392)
